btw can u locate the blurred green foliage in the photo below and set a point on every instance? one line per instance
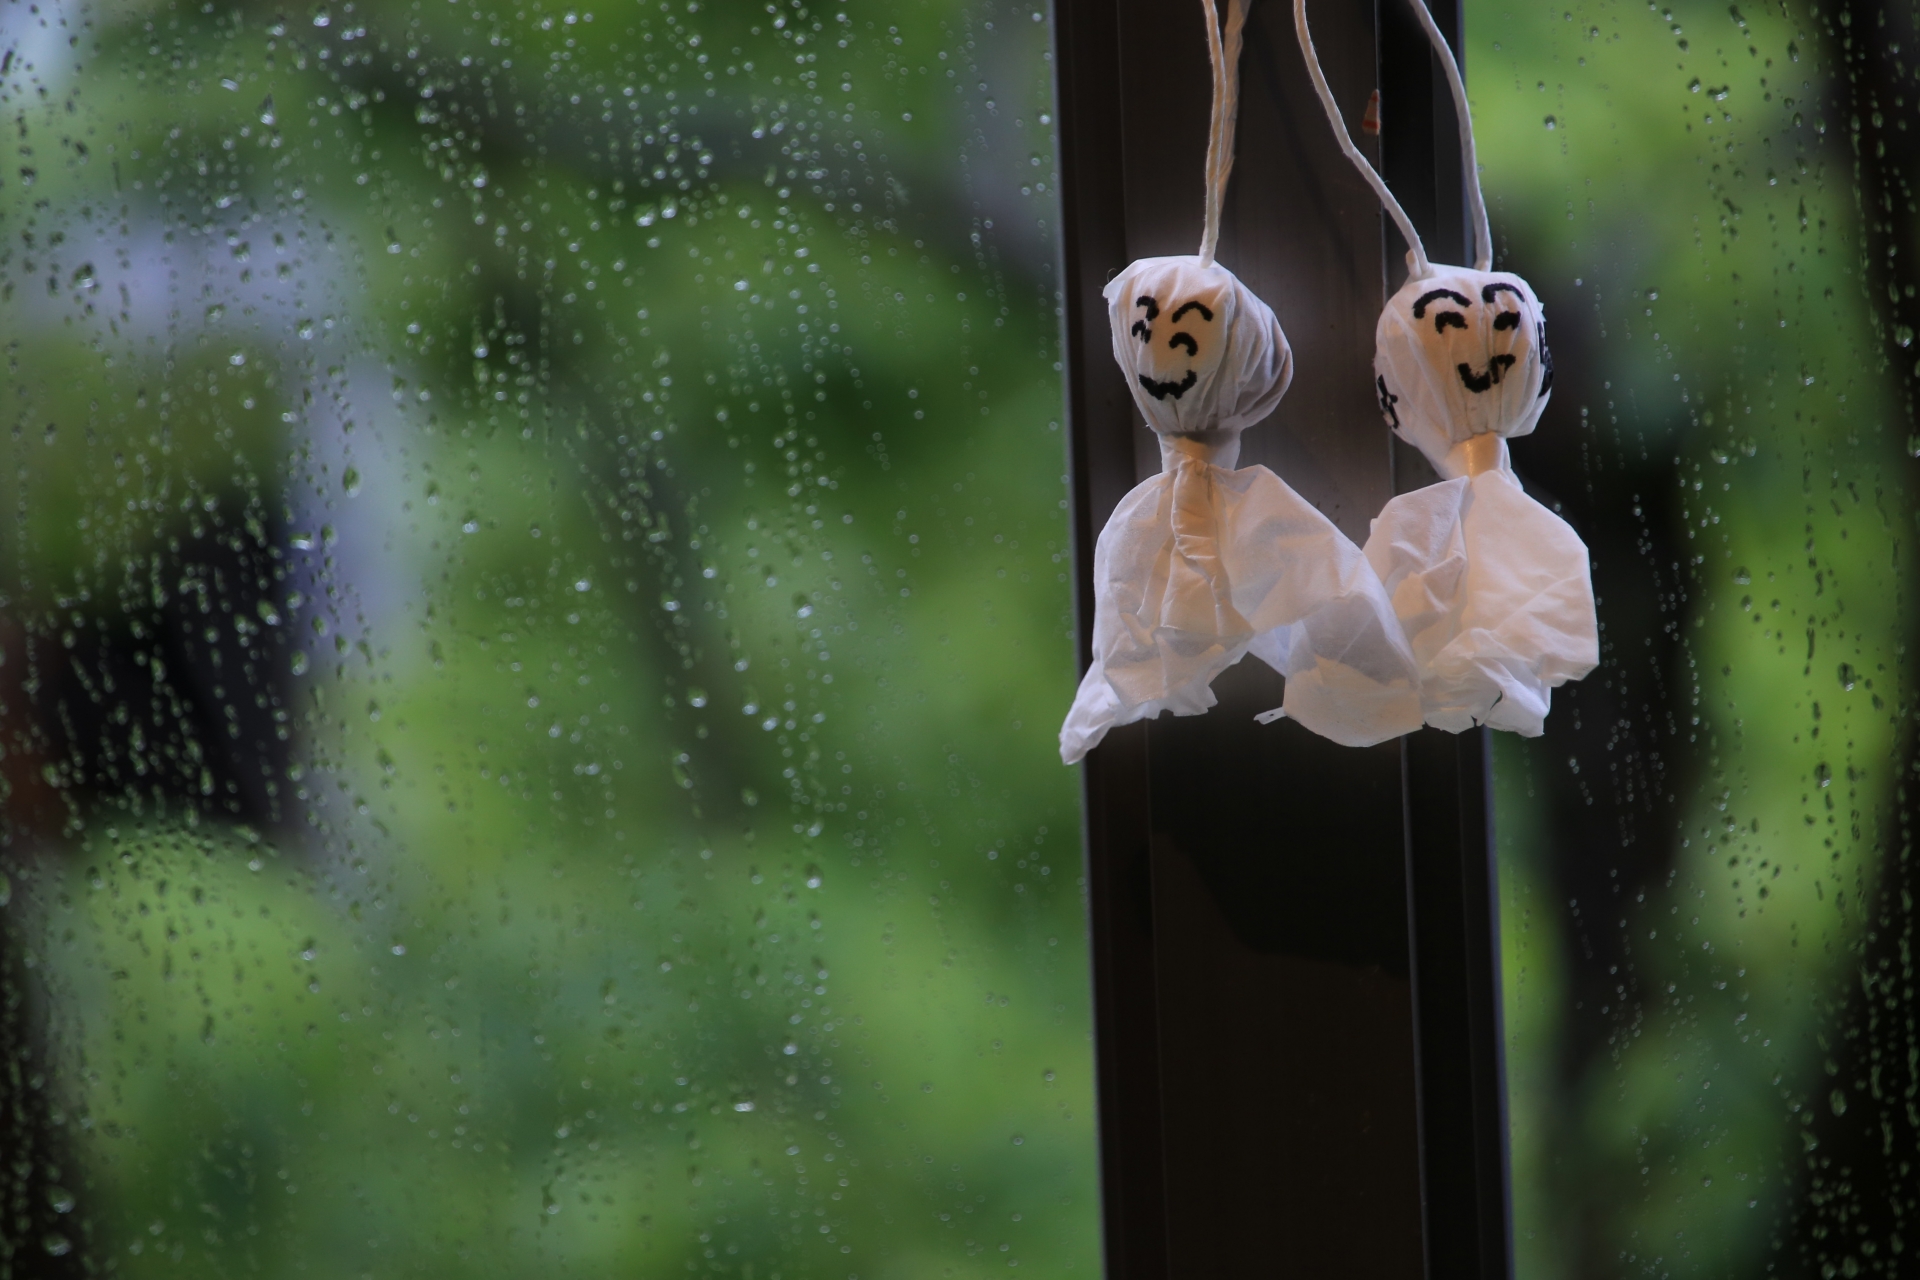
(535, 541)
(536, 599)
(1706, 876)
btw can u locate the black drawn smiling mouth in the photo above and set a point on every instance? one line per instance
(1478, 382)
(1161, 390)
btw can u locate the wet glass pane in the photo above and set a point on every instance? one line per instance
(1706, 862)
(533, 611)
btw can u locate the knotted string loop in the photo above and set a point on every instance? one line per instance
(1469, 161)
(1419, 266)
(1223, 51)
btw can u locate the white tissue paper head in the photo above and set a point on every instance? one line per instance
(1461, 353)
(1200, 351)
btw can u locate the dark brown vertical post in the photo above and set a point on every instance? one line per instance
(1453, 887)
(1282, 927)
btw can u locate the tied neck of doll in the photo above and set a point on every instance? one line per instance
(1475, 454)
(1211, 448)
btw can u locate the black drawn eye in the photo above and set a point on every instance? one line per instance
(1444, 320)
(1546, 357)
(1387, 401)
(1184, 340)
(1205, 312)
(1434, 295)
(1141, 331)
(1507, 320)
(1153, 308)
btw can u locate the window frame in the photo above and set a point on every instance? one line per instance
(1441, 903)
(1153, 960)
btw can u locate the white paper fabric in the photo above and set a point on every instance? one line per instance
(1458, 354)
(1494, 593)
(1493, 590)
(1202, 563)
(1200, 351)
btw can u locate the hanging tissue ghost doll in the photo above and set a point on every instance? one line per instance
(1204, 562)
(1493, 589)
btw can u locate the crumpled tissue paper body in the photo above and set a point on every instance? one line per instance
(1494, 593)
(1204, 562)
(1494, 590)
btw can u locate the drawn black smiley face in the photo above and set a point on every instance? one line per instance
(1200, 352)
(1461, 353)
(1502, 309)
(1178, 341)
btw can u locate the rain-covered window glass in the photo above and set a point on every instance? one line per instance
(1707, 861)
(534, 608)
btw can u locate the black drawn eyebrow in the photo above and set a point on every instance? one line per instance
(1153, 308)
(1201, 307)
(1184, 340)
(1486, 294)
(1420, 307)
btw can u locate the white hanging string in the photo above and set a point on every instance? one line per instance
(1470, 164)
(1223, 51)
(1419, 267)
